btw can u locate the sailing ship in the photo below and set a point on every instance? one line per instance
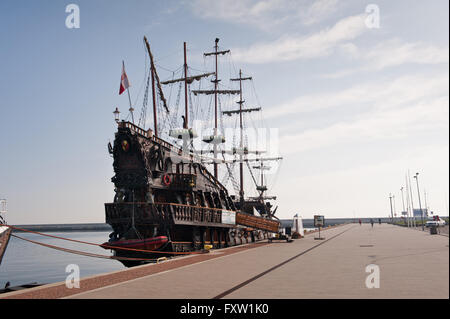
(5, 231)
(166, 199)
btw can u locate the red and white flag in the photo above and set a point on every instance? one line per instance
(124, 83)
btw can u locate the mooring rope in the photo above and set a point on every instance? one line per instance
(83, 253)
(103, 246)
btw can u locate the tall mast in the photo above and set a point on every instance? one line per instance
(262, 176)
(263, 188)
(152, 70)
(216, 84)
(241, 165)
(216, 91)
(187, 80)
(241, 144)
(186, 119)
(158, 83)
(155, 117)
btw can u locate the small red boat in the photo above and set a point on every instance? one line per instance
(153, 243)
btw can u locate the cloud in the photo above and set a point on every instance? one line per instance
(264, 14)
(378, 125)
(382, 94)
(260, 14)
(395, 52)
(319, 10)
(390, 53)
(289, 47)
(393, 108)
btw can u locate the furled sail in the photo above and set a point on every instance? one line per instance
(189, 79)
(214, 139)
(208, 92)
(183, 133)
(229, 113)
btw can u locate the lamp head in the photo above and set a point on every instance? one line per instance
(116, 114)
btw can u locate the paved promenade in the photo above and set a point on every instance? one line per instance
(411, 263)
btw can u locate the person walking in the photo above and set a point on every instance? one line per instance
(360, 222)
(379, 221)
(371, 222)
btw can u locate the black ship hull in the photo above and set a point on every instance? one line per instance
(163, 191)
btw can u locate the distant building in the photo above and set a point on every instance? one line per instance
(418, 212)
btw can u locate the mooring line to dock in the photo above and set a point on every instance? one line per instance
(82, 253)
(229, 291)
(103, 246)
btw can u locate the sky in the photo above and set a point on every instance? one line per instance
(358, 91)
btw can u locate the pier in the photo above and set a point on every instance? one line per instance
(411, 264)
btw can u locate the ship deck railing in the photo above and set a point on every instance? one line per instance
(156, 213)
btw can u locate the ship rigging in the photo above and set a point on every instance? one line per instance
(166, 199)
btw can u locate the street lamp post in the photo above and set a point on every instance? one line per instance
(403, 203)
(395, 209)
(392, 212)
(420, 204)
(410, 194)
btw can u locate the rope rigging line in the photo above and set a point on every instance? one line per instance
(94, 244)
(275, 180)
(168, 70)
(251, 173)
(82, 253)
(143, 80)
(177, 51)
(191, 108)
(143, 116)
(174, 120)
(171, 89)
(197, 104)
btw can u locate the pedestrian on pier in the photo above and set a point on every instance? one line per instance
(371, 222)
(360, 222)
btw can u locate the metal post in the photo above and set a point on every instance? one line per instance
(420, 204)
(395, 209)
(392, 212)
(408, 203)
(412, 202)
(403, 205)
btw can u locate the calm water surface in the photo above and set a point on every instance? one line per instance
(26, 262)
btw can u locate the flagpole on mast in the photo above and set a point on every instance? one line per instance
(129, 97)
(131, 107)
